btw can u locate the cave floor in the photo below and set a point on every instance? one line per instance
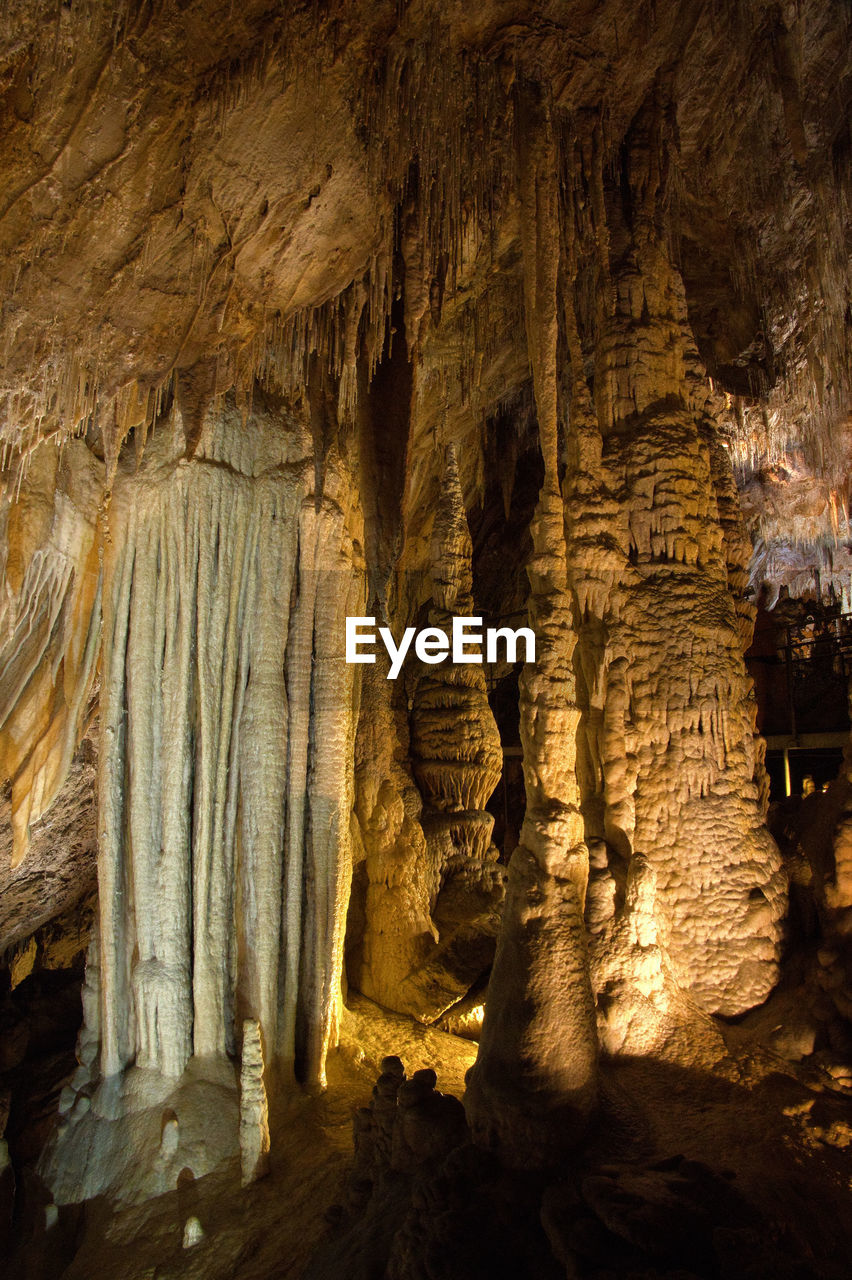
(270, 1228)
(788, 1143)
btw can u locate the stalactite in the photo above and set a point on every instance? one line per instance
(318, 341)
(327, 862)
(539, 195)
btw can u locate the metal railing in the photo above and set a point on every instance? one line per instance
(803, 688)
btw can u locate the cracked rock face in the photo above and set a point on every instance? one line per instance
(536, 313)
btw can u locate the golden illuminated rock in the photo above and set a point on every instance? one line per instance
(525, 312)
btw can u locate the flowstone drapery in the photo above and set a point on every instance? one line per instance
(49, 626)
(226, 758)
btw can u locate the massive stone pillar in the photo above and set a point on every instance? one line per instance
(639, 747)
(670, 766)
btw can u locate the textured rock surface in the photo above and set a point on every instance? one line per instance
(207, 691)
(60, 864)
(670, 720)
(254, 1107)
(50, 627)
(434, 889)
(415, 310)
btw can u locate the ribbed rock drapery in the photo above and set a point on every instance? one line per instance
(49, 627)
(226, 757)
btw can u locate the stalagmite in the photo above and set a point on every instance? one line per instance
(455, 743)
(534, 1083)
(254, 1109)
(434, 888)
(396, 882)
(456, 757)
(664, 743)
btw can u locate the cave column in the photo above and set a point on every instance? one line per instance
(226, 774)
(533, 1085)
(670, 767)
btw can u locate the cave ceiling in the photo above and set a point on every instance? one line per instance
(192, 192)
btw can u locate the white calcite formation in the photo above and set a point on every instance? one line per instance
(254, 1108)
(227, 720)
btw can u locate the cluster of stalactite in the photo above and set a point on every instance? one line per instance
(435, 118)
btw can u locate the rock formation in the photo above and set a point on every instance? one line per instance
(539, 1046)
(530, 313)
(254, 1108)
(227, 585)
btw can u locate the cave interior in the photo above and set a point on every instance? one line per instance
(531, 312)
